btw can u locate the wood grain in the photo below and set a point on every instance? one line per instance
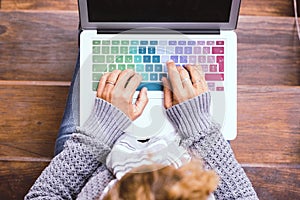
(53, 48)
(29, 119)
(36, 48)
(39, 5)
(268, 125)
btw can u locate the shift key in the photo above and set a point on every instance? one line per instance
(214, 77)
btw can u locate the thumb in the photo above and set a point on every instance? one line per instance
(168, 100)
(140, 103)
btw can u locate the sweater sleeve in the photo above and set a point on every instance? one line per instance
(83, 154)
(203, 138)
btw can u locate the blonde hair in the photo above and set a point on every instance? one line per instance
(156, 182)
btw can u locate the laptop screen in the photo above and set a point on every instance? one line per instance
(203, 11)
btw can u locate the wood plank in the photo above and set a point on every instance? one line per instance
(268, 51)
(265, 44)
(38, 5)
(267, 7)
(36, 48)
(275, 182)
(268, 125)
(16, 178)
(29, 119)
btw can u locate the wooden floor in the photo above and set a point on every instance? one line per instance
(38, 49)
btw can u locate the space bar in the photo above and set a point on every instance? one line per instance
(157, 86)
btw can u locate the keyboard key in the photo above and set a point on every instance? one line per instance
(130, 66)
(183, 59)
(200, 42)
(134, 42)
(204, 68)
(214, 77)
(142, 50)
(220, 61)
(105, 50)
(179, 50)
(106, 42)
(190, 43)
(151, 50)
(170, 50)
(153, 76)
(125, 42)
(158, 68)
(210, 42)
(98, 59)
(96, 42)
(164, 59)
(192, 59)
(119, 59)
(112, 67)
(145, 76)
(95, 86)
(115, 42)
(139, 68)
(143, 42)
(213, 68)
(121, 67)
(149, 68)
(124, 50)
(161, 50)
(156, 59)
(172, 42)
(163, 42)
(128, 59)
(220, 88)
(202, 59)
(115, 50)
(219, 42)
(217, 50)
(99, 67)
(211, 59)
(211, 86)
(181, 42)
(197, 50)
(151, 86)
(110, 59)
(146, 59)
(161, 75)
(206, 50)
(153, 42)
(96, 49)
(174, 58)
(188, 50)
(137, 59)
(133, 50)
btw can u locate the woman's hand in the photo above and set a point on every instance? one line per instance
(184, 83)
(118, 88)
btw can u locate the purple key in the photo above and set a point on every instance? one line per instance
(188, 50)
(191, 42)
(210, 42)
(204, 68)
(178, 50)
(206, 50)
(210, 59)
(202, 59)
(181, 42)
(211, 86)
(200, 42)
(192, 59)
(183, 59)
(213, 68)
(174, 58)
(172, 42)
(197, 50)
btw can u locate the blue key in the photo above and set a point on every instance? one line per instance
(144, 42)
(142, 50)
(139, 68)
(191, 42)
(156, 59)
(174, 58)
(144, 76)
(151, 50)
(133, 50)
(153, 42)
(153, 77)
(182, 42)
(158, 67)
(183, 59)
(137, 59)
(151, 86)
(146, 59)
(188, 50)
(134, 42)
(162, 75)
(172, 42)
(149, 68)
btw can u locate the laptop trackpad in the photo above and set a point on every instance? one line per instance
(153, 121)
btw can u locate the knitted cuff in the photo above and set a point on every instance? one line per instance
(191, 117)
(106, 123)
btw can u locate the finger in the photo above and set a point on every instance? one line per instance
(185, 77)
(168, 96)
(109, 85)
(101, 84)
(174, 76)
(124, 77)
(197, 76)
(132, 84)
(140, 103)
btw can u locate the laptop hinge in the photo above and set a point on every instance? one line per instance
(158, 31)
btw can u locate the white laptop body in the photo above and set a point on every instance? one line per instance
(101, 22)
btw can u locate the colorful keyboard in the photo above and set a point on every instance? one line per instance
(148, 58)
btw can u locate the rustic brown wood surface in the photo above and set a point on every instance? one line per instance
(38, 50)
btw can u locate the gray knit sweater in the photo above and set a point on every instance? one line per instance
(78, 173)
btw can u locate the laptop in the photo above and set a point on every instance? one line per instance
(143, 35)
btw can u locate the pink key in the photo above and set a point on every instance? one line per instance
(214, 77)
(219, 42)
(220, 61)
(192, 59)
(217, 50)
(220, 88)
(213, 68)
(206, 50)
(197, 50)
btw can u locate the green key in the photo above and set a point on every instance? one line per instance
(98, 59)
(105, 42)
(145, 76)
(115, 42)
(95, 86)
(134, 42)
(125, 42)
(114, 50)
(133, 50)
(97, 76)
(110, 59)
(130, 66)
(96, 49)
(99, 67)
(96, 42)
(121, 67)
(112, 67)
(140, 68)
(119, 59)
(128, 59)
(105, 50)
(124, 50)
